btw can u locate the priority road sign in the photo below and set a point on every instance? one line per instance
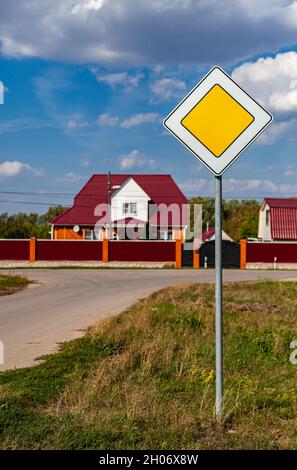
(217, 120)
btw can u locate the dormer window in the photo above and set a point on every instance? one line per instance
(130, 208)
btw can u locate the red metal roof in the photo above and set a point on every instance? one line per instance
(160, 188)
(282, 202)
(283, 218)
(283, 223)
(208, 234)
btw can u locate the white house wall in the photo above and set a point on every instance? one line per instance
(264, 231)
(129, 192)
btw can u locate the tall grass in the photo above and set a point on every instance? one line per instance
(145, 379)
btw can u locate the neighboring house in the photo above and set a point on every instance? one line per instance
(278, 219)
(132, 199)
(209, 235)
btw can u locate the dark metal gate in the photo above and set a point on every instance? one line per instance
(231, 254)
(187, 254)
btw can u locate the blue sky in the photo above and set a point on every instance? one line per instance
(88, 82)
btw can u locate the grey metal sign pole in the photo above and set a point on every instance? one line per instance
(184, 123)
(218, 298)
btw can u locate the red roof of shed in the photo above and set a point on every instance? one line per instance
(160, 188)
(208, 233)
(282, 202)
(283, 218)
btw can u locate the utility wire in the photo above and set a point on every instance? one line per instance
(2, 201)
(72, 196)
(41, 194)
(31, 193)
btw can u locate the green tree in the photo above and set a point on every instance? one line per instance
(240, 218)
(24, 225)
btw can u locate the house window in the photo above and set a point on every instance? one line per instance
(97, 234)
(133, 208)
(267, 218)
(126, 208)
(130, 208)
(89, 234)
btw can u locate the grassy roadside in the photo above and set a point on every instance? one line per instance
(12, 284)
(145, 378)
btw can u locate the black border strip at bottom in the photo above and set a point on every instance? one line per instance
(136, 459)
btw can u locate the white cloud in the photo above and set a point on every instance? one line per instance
(86, 5)
(9, 169)
(141, 118)
(135, 159)
(271, 80)
(123, 79)
(197, 186)
(141, 32)
(70, 177)
(167, 88)
(107, 119)
(76, 124)
(285, 129)
(237, 188)
(13, 48)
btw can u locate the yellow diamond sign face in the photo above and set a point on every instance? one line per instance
(217, 120)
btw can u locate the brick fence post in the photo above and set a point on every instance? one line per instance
(196, 255)
(105, 250)
(32, 249)
(243, 249)
(178, 254)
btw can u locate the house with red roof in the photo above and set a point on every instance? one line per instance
(121, 206)
(278, 219)
(209, 235)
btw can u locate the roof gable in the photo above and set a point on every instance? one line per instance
(130, 185)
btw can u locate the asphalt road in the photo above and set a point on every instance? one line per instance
(64, 302)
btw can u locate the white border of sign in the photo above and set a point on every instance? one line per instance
(217, 165)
